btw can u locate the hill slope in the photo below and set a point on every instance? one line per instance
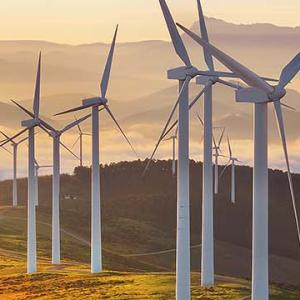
(74, 281)
(139, 220)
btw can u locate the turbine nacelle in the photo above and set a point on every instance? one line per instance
(255, 95)
(181, 73)
(30, 123)
(205, 80)
(94, 101)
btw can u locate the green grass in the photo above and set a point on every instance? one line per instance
(72, 280)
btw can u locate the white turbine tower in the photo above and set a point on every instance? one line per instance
(231, 162)
(94, 103)
(173, 138)
(81, 134)
(31, 214)
(184, 76)
(15, 146)
(217, 154)
(56, 135)
(260, 94)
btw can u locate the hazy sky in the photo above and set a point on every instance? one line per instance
(81, 21)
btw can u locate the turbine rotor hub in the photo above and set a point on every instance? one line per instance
(277, 94)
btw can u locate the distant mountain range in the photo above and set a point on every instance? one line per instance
(139, 91)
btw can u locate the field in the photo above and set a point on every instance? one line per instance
(72, 279)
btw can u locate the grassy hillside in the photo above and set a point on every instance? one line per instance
(139, 227)
(74, 281)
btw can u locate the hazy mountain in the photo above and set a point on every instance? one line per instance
(148, 113)
(140, 67)
(139, 92)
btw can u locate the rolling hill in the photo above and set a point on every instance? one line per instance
(139, 221)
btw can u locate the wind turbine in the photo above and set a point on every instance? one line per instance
(15, 150)
(56, 135)
(81, 134)
(94, 103)
(30, 125)
(37, 167)
(31, 214)
(207, 257)
(260, 93)
(217, 154)
(184, 76)
(173, 138)
(232, 161)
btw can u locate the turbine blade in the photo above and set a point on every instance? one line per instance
(5, 149)
(121, 130)
(230, 84)
(288, 106)
(76, 141)
(225, 168)
(202, 138)
(36, 101)
(279, 116)
(200, 94)
(214, 141)
(175, 36)
(75, 123)
(73, 109)
(163, 134)
(289, 72)
(45, 124)
(5, 135)
(221, 138)
(78, 126)
(23, 140)
(190, 107)
(106, 73)
(23, 108)
(207, 55)
(13, 137)
(168, 139)
(229, 147)
(36, 163)
(244, 73)
(69, 150)
(199, 118)
(176, 132)
(44, 129)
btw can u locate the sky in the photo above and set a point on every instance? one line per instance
(85, 21)
(89, 21)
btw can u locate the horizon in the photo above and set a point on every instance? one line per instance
(43, 21)
(163, 39)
